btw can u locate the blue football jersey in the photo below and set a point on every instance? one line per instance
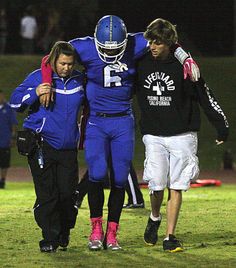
(109, 86)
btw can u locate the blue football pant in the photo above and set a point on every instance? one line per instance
(109, 137)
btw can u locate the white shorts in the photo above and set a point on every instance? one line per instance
(170, 161)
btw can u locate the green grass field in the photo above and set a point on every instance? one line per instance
(218, 72)
(206, 227)
(207, 223)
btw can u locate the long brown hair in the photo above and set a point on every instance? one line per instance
(60, 47)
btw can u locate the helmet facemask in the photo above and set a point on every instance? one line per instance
(110, 39)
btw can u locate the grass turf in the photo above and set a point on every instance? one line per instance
(206, 226)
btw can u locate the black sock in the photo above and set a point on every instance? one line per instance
(115, 204)
(95, 199)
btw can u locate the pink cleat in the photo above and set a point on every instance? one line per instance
(111, 241)
(97, 234)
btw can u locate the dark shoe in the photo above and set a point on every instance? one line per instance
(48, 249)
(140, 205)
(64, 240)
(2, 184)
(172, 245)
(150, 234)
(78, 200)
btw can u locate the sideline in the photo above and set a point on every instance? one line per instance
(226, 176)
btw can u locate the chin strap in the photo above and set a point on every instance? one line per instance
(122, 66)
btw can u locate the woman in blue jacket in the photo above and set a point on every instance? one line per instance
(53, 164)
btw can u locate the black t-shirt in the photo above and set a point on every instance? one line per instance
(170, 104)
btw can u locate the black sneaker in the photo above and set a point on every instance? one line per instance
(48, 247)
(150, 234)
(139, 205)
(172, 245)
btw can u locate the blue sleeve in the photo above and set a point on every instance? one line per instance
(85, 49)
(140, 44)
(25, 94)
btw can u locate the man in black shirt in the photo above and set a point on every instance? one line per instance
(170, 119)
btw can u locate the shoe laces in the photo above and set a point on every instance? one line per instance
(175, 240)
(111, 234)
(97, 232)
(153, 226)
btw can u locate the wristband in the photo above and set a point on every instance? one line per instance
(181, 55)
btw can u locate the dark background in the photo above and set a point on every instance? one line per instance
(206, 28)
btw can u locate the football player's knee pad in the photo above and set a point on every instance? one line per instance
(96, 179)
(121, 176)
(120, 183)
(97, 168)
(121, 173)
(97, 173)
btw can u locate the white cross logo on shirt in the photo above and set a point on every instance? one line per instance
(158, 88)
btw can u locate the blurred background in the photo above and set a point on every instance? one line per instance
(207, 28)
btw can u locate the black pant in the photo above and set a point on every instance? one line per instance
(132, 188)
(55, 185)
(5, 157)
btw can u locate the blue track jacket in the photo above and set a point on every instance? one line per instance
(57, 124)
